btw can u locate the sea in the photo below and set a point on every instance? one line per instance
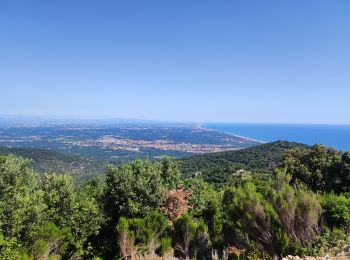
(336, 136)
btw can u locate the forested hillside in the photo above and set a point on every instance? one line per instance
(214, 167)
(46, 161)
(148, 210)
(219, 167)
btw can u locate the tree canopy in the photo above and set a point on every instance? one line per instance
(148, 209)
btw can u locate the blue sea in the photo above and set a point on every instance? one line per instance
(337, 136)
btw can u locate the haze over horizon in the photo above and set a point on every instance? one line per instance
(183, 61)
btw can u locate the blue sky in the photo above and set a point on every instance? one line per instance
(180, 60)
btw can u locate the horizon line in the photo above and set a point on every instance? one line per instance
(200, 123)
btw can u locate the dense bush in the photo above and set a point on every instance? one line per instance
(331, 241)
(143, 236)
(298, 209)
(218, 168)
(43, 213)
(336, 209)
(191, 239)
(275, 218)
(320, 168)
(138, 188)
(144, 209)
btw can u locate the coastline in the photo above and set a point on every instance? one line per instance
(335, 136)
(200, 126)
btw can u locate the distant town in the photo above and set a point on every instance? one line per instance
(122, 141)
(114, 143)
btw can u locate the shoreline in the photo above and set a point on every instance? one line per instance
(306, 134)
(200, 126)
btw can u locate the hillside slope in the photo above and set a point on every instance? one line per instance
(43, 160)
(217, 167)
(214, 167)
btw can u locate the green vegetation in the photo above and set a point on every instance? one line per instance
(149, 210)
(45, 215)
(44, 161)
(214, 168)
(320, 168)
(219, 167)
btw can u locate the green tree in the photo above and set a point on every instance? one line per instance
(21, 202)
(136, 189)
(338, 175)
(314, 166)
(171, 173)
(205, 203)
(59, 196)
(73, 208)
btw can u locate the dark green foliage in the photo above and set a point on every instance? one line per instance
(28, 202)
(137, 188)
(44, 160)
(297, 208)
(143, 236)
(171, 173)
(191, 238)
(320, 168)
(331, 240)
(275, 218)
(126, 238)
(134, 189)
(164, 246)
(219, 167)
(185, 232)
(49, 240)
(336, 209)
(148, 230)
(338, 177)
(202, 243)
(205, 204)
(49, 216)
(70, 207)
(249, 218)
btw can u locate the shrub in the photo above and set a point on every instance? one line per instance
(191, 238)
(144, 236)
(137, 188)
(336, 209)
(331, 241)
(50, 241)
(320, 168)
(125, 239)
(275, 217)
(298, 209)
(164, 246)
(249, 219)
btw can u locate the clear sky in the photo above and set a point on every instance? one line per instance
(180, 60)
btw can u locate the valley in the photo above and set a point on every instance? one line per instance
(120, 142)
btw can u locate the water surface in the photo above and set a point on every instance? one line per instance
(337, 136)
